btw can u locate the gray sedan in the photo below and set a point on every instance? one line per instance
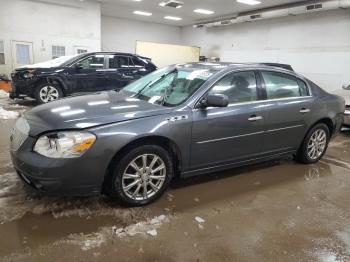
(181, 120)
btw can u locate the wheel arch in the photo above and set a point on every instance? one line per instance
(162, 141)
(328, 122)
(52, 80)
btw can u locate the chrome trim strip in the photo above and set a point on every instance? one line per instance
(249, 134)
(284, 128)
(226, 138)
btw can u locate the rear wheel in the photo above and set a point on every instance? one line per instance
(314, 145)
(141, 176)
(48, 92)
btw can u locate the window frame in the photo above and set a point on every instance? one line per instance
(105, 59)
(3, 51)
(131, 63)
(60, 46)
(259, 93)
(298, 80)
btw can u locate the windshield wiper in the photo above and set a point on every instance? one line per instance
(153, 82)
(169, 89)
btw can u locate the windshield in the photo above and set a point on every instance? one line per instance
(169, 86)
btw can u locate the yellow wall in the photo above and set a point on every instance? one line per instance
(165, 54)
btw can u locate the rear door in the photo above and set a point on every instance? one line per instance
(120, 71)
(288, 108)
(232, 133)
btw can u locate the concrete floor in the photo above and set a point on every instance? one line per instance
(276, 211)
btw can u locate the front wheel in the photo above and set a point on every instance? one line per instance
(141, 176)
(314, 145)
(48, 92)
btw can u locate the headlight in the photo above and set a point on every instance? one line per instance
(69, 144)
(29, 74)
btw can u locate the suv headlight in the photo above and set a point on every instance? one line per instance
(29, 74)
(70, 144)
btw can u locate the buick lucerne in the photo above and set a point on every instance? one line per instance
(181, 120)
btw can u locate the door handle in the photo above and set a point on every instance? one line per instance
(125, 76)
(305, 110)
(254, 118)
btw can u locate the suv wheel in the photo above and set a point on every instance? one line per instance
(141, 176)
(314, 145)
(48, 92)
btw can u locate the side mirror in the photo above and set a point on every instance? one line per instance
(215, 100)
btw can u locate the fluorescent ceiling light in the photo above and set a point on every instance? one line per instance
(175, 18)
(136, 0)
(142, 13)
(203, 11)
(249, 2)
(162, 4)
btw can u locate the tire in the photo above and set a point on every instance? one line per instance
(314, 145)
(124, 174)
(46, 92)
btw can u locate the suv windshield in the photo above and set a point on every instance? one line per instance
(169, 86)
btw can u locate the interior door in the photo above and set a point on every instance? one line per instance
(289, 108)
(22, 53)
(90, 74)
(232, 133)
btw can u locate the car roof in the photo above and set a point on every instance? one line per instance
(219, 66)
(109, 53)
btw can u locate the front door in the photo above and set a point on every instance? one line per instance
(90, 74)
(289, 108)
(233, 133)
(22, 53)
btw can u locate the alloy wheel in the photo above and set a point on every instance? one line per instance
(144, 176)
(48, 94)
(317, 144)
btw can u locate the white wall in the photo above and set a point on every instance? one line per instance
(316, 45)
(67, 23)
(121, 34)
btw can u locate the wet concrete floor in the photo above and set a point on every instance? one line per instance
(275, 211)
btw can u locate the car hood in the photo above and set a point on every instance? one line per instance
(88, 111)
(345, 93)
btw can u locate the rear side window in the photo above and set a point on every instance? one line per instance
(119, 62)
(279, 85)
(137, 62)
(238, 87)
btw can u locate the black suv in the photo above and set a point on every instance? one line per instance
(89, 72)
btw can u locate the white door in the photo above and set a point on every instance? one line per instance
(22, 53)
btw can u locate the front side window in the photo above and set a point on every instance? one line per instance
(2, 53)
(58, 51)
(92, 62)
(168, 86)
(279, 85)
(238, 87)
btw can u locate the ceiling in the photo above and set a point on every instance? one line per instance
(222, 8)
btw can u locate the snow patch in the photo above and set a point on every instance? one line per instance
(199, 220)
(4, 114)
(3, 94)
(148, 227)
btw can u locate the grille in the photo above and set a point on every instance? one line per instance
(19, 134)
